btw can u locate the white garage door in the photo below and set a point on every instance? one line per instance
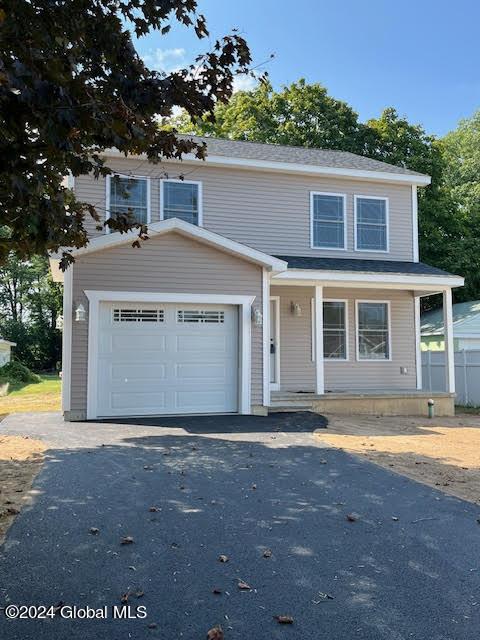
(167, 359)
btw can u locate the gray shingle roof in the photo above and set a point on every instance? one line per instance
(299, 155)
(365, 266)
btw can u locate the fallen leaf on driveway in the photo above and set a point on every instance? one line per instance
(215, 633)
(267, 553)
(124, 597)
(284, 619)
(243, 586)
(322, 597)
(394, 518)
(154, 509)
(126, 540)
(216, 591)
(152, 625)
(94, 531)
(351, 517)
(223, 558)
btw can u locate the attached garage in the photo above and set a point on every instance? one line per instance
(167, 359)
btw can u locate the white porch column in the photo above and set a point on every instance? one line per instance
(320, 378)
(418, 351)
(266, 336)
(449, 349)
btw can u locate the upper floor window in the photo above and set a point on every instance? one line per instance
(181, 199)
(371, 223)
(335, 337)
(373, 330)
(129, 196)
(328, 229)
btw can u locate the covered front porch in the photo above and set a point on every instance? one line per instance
(349, 341)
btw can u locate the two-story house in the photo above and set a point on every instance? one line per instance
(273, 276)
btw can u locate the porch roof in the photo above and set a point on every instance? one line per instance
(360, 265)
(357, 272)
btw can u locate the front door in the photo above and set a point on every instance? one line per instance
(275, 343)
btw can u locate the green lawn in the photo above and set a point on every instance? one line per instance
(41, 396)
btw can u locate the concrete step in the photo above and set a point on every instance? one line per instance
(278, 407)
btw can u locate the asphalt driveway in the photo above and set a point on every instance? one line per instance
(408, 566)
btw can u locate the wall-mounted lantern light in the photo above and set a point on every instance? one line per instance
(80, 313)
(257, 317)
(296, 309)
(59, 323)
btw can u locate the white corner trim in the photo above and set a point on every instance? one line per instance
(347, 331)
(344, 220)
(319, 362)
(356, 198)
(357, 335)
(266, 336)
(292, 167)
(245, 334)
(418, 350)
(416, 255)
(108, 183)
(200, 196)
(190, 230)
(67, 338)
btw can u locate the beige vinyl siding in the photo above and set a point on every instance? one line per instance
(170, 264)
(266, 210)
(297, 371)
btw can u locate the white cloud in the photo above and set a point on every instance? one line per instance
(243, 83)
(166, 60)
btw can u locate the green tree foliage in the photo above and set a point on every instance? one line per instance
(71, 86)
(301, 115)
(462, 179)
(30, 303)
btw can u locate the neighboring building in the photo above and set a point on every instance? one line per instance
(466, 327)
(272, 273)
(5, 351)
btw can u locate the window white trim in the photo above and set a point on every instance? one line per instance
(344, 199)
(387, 222)
(200, 197)
(347, 333)
(245, 335)
(67, 337)
(357, 340)
(108, 195)
(275, 386)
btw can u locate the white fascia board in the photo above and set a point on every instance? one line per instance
(292, 167)
(201, 234)
(8, 343)
(344, 278)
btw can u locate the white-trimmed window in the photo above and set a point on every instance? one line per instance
(128, 196)
(335, 331)
(327, 220)
(371, 223)
(373, 330)
(181, 199)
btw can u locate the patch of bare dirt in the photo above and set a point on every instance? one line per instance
(20, 460)
(443, 453)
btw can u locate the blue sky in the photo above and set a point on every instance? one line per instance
(421, 57)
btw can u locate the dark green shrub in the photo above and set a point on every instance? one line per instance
(16, 372)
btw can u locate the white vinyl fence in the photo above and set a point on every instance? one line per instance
(467, 374)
